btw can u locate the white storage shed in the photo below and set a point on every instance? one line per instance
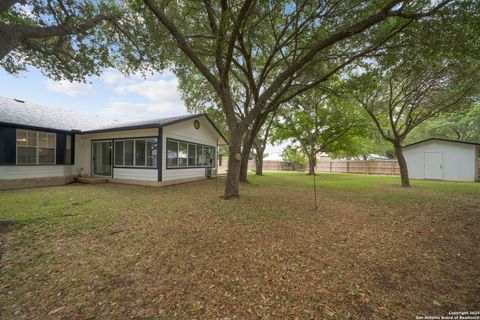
(443, 159)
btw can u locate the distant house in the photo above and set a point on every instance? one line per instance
(46, 146)
(443, 159)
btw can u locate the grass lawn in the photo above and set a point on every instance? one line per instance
(372, 250)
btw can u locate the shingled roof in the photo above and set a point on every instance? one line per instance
(27, 114)
(150, 123)
(18, 112)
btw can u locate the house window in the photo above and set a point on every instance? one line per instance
(192, 151)
(136, 153)
(199, 156)
(151, 149)
(208, 157)
(140, 153)
(118, 146)
(36, 147)
(128, 153)
(172, 153)
(182, 154)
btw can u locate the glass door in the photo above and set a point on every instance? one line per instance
(102, 158)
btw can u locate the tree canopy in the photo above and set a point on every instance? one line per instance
(318, 122)
(63, 38)
(459, 125)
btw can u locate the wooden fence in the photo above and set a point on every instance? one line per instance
(268, 165)
(380, 167)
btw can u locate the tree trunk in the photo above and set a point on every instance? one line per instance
(247, 148)
(259, 162)
(402, 163)
(232, 185)
(311, 163)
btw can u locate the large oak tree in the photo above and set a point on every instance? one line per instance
(268, 46)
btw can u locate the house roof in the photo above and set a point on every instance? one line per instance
(27, 114)
(141, 124)
(31, 115)
(441, 139)
(153, 123)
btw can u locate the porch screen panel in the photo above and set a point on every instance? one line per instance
(128, 153)
(119, 153)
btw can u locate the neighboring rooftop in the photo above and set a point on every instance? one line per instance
(442, 139)
(13, 111)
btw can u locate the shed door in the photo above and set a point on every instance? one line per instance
(434, 165)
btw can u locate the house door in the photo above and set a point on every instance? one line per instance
(102, 158)
(434, 165)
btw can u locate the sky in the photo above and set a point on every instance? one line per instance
(110, 96)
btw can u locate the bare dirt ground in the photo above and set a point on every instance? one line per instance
(372, 250)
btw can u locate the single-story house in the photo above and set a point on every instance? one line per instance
(46, 146)
(443, 159)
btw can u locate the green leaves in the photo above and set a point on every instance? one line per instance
(64, 39)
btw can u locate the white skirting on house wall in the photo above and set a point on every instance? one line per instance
(135, 174)
(36, 171)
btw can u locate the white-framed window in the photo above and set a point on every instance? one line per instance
(181, 154)
(136, 153)
(36, 147)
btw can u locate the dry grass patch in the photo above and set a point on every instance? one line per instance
(371, 251)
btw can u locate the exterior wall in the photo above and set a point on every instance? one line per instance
(477, 168)
(21, 176)
(35, 182)
(15, 177)
(35, 171)
(136, 174)
(82, 145)
(459, 160)
(83, 153)
(185, 131)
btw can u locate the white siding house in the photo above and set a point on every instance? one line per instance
(441, 159)
(45, 146)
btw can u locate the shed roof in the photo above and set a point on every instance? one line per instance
(442, 139)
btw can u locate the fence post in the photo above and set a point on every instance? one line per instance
(348, 166)
(393, 168)
(330, 166)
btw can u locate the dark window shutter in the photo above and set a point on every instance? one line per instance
(73, 149)
(8, 147)
(61, 141)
